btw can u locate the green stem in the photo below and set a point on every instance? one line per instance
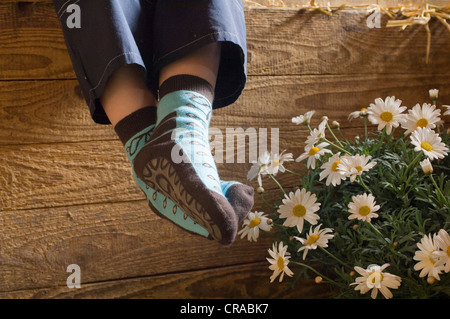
(265, 201)
(334, 136)
(438, 189)
(337, 146)
(316, 272)
(414, 161)
(342, 134)
(378, 233)
(364, 184)
(335, 258)
(292, 172)
(365, 127)
(276, 182)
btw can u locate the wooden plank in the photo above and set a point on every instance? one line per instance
(52, 112)
(32, 44)
(279, 42)
(60, 175)
(46, 112)
(109, 242)
(49, 175)
(250, 281)
(289, 42)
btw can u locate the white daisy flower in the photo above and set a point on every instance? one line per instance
(316, 238)
(313, 152)
(316, 134)
(386, 113)
(355, 165)
(361, 113)
(448, 109)
(253, 223)
(363, 207)
(427, 168)
(277, 161)
(298, 207)
(426, 259)
(374, 278)
(331, 171)
(259, 167)
(279, 261)
(429, 142)
(443, 254)
(305, 118)
(425, 116)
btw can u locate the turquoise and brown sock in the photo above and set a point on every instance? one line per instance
(134, 131)
(177, 162)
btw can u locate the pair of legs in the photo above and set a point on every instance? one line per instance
(210, 207)
(126, 90)
(195, 54)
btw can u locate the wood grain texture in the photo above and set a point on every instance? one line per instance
(34, 112)
(66, 190)
(109, 241)
(279, 42)
(249, 281)
(292, 42)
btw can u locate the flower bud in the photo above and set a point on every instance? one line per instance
(335, 124)
(431, 280)
(260, 190)
(318, 280)
(427, 168)
(433, 94)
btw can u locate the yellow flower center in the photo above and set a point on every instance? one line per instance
(280, 263)
(448, 251)
(363, 109)
(386, 116)
(426, 146)
(422, 123)
(364, 210)
(254, 222)
(312, 239)
(313, 151)
(299, 210)
(375, 279)
(358, 168)
(334, 167)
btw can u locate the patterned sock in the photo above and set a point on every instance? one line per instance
(177, 160)
(134, 131)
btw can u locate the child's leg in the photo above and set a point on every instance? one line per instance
(129, 106)
(125, 93)
(177, 160)
(204, 63)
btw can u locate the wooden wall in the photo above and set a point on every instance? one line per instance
(66, 191)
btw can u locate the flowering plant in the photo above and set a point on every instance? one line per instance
(367, 215)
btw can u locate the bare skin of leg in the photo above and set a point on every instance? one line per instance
(125, 93)
(203, 63)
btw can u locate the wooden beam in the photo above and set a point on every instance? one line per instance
(249, 281)
(280, 42)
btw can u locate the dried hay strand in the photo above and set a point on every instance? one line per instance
(398, 16)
